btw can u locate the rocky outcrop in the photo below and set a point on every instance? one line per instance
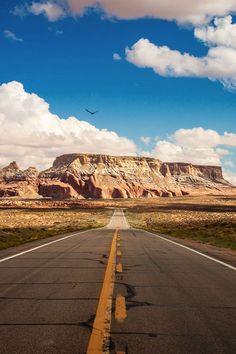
(17, 183)
(103, 176)
(56, 190)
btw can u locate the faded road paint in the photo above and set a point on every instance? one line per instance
(119, 268)
(120, 312)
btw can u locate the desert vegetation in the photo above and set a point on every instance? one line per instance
(209, 220)
(18, 226)
(206, 219)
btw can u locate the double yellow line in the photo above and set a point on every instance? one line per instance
(99, 339)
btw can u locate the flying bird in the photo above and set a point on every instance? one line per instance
(90, 112)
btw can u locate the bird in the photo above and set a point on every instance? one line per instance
(90, 112)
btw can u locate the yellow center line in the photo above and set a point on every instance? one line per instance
(120, 312)
(99, 339)
(119, 253)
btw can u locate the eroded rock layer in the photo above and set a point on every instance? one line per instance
(17, 183)
(103, 176)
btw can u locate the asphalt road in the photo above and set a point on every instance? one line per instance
(177, 301)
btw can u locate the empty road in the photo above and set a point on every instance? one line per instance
(115, 291)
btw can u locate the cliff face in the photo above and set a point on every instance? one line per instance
(103, 176)
(14, 182)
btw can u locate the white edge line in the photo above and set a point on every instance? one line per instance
(190, 249)
(44, 245)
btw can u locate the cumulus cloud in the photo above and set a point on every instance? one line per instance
(116, 56)
(230, 176)
(218, 64)
(221, 33)
(32, 135)
(199, 137)
(197, 146)
(50, 9)
(190, 11)
(183, 11)
(172, 152)
(11, 36)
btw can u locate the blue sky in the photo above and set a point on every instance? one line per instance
(69, 63)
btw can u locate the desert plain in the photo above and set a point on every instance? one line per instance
(207, 222)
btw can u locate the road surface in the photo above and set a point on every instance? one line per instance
(158, 297)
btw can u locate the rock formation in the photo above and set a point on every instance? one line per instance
(14, 182)
(103, 176)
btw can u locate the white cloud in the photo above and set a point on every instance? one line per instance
(183, 11)
(196, 137)
(229, 139)
(199, 137)
(10, 35)
(145, 139)
(230, 176)
(222, 33)
(171, 152)
(53, 10)
(50, 9)
(197, 146)
(116, 56)
(190, 11)
(218, 64)
(32, 135)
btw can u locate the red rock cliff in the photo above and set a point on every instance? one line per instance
(104, 176)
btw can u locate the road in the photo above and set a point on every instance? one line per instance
(69, 295)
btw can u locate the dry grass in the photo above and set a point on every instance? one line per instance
(209, 220)
(222, 203)
(18, 226)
